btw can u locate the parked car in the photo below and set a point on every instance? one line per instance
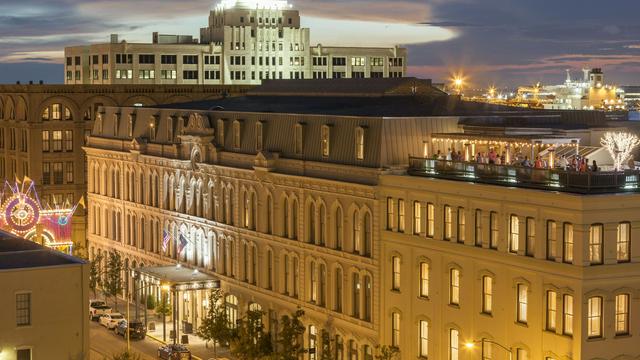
(174, 352)
(98, 308)
(136, 329)
(110, 321)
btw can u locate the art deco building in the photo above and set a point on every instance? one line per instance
(43, 129)
(243, 43)
(323, 195)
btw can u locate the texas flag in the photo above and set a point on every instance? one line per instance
(182, 243)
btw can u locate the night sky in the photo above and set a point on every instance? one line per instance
(498, 42)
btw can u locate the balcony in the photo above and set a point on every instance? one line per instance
(587, 183)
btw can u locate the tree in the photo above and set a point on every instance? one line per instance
(125, 355)
(289, 344)
(113, 283)
(619, 145)
(215, 325)
(163, 308)
(250, 341)
(326, 345)
(95, 280)
(386, 352)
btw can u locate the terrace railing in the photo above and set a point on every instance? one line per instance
(599, 182)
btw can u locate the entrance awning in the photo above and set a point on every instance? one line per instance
(177, 277)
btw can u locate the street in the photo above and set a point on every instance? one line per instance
(105, 343)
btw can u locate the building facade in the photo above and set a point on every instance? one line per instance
(35, 280)
(43, 129)
(300, 200)
(245, 42)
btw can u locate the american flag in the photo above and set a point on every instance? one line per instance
(183, 243)
(165, 240)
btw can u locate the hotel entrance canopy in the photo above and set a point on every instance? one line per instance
(178, 278)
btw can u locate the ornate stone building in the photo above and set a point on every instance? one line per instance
(43, 129)
(300, 194)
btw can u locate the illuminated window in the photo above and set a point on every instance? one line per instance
(461, 225)
(417, 218)
(567, 243)
(359, 143)
(447, 223)
(522, 303)
(431, 213)
(514, 234)
(395, 280)
(487, 294)
(395, 329)
(567, 314)
(454, 287)
(493, 230)
(595, 244)
(594, 317)
(454, 344)
(551, 310)
(46, 142)
(325, 139)
(313, 296)
(424, 338)
(551, 240)
(56, 111)
(57, 140)
(355, 297)
(622, 314)
(390, 213)
(401, 214)
(623, 242)
(424, 279)
(313, 335)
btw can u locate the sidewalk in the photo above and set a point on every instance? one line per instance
(198, 348)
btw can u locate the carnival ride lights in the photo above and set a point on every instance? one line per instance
(22, 214)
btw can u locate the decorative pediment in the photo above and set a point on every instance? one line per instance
(198, 124)
(265, 161)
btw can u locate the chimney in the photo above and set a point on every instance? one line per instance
(18, 82)
(155, 37)
(30, 82)
(40, 82)
(114, 38)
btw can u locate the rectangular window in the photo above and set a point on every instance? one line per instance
(447, 223)
(46, 173)
(461, 225)
(68, 140)
(395, 329)
(124, 74)
(424, 279)
(551, 310)
(105, 74)
(522, 303)
(105, 59)
(190, 59)
(454, 344)
(431, 221)
(595, 244)
(358, 61)
(401, 215)
(190, 75)
(551, 240)
(46, 141)
(58, 175)
(567, 243)
(147, 74)
(623, 242)
(339, 61)
(325, 140)
(417, 218)
(124, 59)
(395, 280)
(23, 309)
(487, 294)
(57, 140)
(23, 354)
(424, 339)
(168, 59)
(567, 314)
(390, 213)
(594, 317)
(454, 287)
(69, 173)
(622, 314)
(478, 228)
(168, 74)
(493, 230)
(146, 59)
(514, 234)
(531, 237)
(377, 61)
(359, 143)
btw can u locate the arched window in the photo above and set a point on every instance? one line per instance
(311, 221)
(296, 277)
(254, 211)
(359, 143)
(355, 295)
(339, 231)
(254, 265)
(294, 219)
(269, 226)
(269, 269)
(322, 288)
(246, 211)
(285, 218)
(395, 329)
(231, 309)
(287, 274)
(368, 298)
(356, 232)
(313, 342)
(313, 290)
(337, 306)
(368, 241)
(322, 232)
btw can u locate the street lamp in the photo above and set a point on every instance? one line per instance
(472, 344)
